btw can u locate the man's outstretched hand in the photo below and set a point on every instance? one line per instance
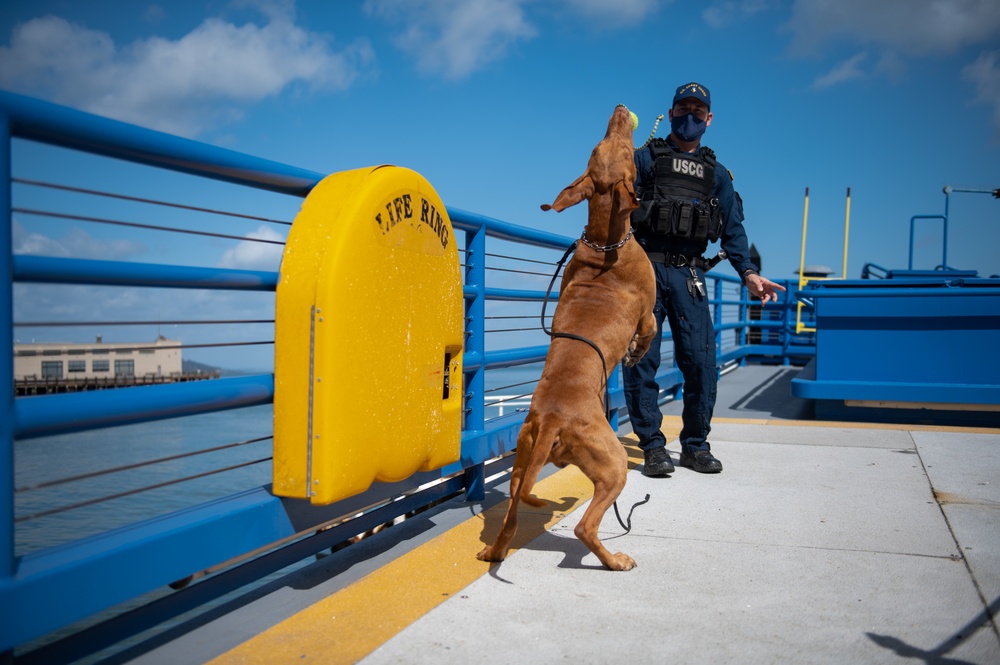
(763, 288)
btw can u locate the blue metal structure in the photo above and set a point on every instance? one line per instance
(245, 536)
(914, 343)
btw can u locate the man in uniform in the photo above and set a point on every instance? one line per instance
(687, 200)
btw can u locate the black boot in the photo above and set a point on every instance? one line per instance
(701, 461)
(657, 462)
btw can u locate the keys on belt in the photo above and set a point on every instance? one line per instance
(696, 287)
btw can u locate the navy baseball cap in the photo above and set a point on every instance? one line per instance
(696, 90)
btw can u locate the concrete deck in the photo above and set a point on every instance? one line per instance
(815, 545)
(819, 543)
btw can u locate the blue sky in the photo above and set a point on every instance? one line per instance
(498, 103)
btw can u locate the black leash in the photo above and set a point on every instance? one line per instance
(550, 333)
(604, 364)
(628, 527)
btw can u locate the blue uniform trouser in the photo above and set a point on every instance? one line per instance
(694, 350)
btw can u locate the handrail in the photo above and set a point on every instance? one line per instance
(882, 292)
(44, 122)
(53, 270)
(76, 412)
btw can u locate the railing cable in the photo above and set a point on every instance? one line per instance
(81, 324)
(136, 465)
(138, 490)
(136, 225)
(94, 192)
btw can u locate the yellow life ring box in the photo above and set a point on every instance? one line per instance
(368, 337)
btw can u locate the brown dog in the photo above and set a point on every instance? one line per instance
(607, 297)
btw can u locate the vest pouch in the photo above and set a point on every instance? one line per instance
(664, 219)
(684, 219)
(702, 219)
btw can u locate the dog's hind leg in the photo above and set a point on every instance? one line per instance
(533, 446)
(607, 468)
(540, 451)
(498, 550)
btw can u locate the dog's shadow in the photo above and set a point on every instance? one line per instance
(532, 534)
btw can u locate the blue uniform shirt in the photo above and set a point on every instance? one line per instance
(733, 238)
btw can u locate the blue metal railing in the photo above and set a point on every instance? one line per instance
(49, 589)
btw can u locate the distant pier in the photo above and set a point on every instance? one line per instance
(36, 385)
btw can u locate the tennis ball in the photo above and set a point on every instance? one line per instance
(635, 121)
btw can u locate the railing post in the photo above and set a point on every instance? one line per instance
(6, 362)
(717, 317)
(475, 345)
(785, 335)
(744, 315)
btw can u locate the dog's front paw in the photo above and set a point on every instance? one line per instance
(487, 554)
(631, 357)
(620, 561)
(634, 353)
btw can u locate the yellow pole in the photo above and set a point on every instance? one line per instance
(802, 264)
(847, 228)
(802, 259)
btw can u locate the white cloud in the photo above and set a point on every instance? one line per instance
(613, 11)
(729, 12)
(455, 37)
(181, 86)
(912, 27)
(984, 74)
(895, 31)
(249, 255)
(846, 71)
(77, 244)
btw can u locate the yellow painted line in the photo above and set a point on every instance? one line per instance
(351, 623)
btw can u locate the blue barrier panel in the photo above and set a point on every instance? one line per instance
(911, 342)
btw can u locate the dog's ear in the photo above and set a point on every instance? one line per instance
(582, 188)
(624, 196)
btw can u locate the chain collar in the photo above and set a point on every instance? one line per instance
(606, 248)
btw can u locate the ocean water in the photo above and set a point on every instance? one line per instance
(164, 466)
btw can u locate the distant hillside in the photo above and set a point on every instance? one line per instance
(191, 366)
(194, 366)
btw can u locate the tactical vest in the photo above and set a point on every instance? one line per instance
(681, 195)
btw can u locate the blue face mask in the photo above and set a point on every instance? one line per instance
(687, 127)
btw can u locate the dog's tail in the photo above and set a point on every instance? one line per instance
(544, 442)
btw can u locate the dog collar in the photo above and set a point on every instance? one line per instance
(606, 248)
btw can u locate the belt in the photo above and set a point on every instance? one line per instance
(679, 260)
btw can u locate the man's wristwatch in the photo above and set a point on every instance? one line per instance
(747, 273)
